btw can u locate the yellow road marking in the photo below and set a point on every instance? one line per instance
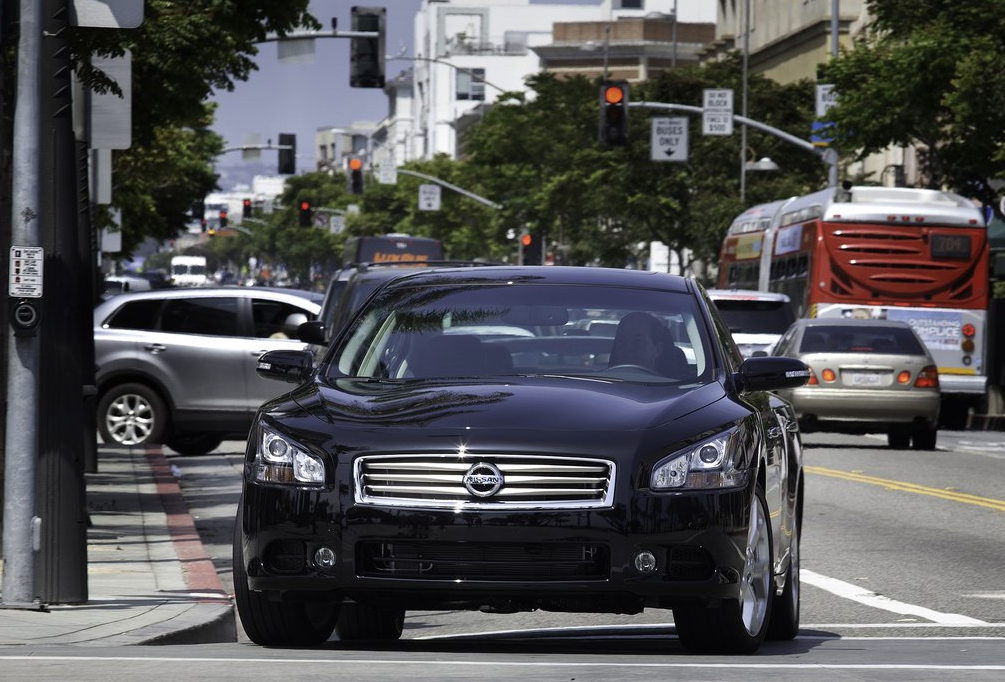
(989, 503)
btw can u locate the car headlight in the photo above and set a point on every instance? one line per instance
(710, 463)
(282, 460)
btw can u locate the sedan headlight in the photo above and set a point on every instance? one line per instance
(710, 463)
(282, 460)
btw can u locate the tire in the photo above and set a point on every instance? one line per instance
(193, 444)
(359, 622)
(924, 438)
(132, 415)
(899, 440)
(784, 623)
(738, 626)
(278, 623)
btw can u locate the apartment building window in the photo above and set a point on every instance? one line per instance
(471, 84)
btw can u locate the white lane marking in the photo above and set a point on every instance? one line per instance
(878, 601)
(410, 663)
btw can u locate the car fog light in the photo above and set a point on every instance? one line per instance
(325, 557)
(645, 562)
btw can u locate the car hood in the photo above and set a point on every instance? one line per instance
(538, 403)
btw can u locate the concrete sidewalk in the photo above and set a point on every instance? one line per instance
(149, 580)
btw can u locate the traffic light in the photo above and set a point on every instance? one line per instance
(223, 219)
(246, 210)
(306, 214)
(366, 55)
(531, 252)
(355, 181)
(287, 154)
(614, 113)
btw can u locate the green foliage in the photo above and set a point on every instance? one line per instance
(181, 53)
(929, 73)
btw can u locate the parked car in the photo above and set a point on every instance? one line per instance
(176, 366)
(757, 319)
(868, 376)
(422, 467)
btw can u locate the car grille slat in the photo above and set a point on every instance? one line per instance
(527, 481)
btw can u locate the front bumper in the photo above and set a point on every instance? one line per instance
(551, 559)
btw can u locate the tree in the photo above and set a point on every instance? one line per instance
(924, 74)
(181, 53)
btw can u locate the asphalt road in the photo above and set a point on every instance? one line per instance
(902, 581)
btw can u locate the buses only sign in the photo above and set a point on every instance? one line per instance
(669, 139)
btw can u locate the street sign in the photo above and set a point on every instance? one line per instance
(25, 278)
(429, 197)
(669, 139)
(337, 224)
(826, 98)
(717, 112)
(387, 174)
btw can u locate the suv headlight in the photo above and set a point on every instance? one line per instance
(280, 459)
(710, 463)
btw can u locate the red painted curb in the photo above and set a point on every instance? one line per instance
(197, 568)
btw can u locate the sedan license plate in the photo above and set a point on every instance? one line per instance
(865, 379)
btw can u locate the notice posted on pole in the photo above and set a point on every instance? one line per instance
(25, 278)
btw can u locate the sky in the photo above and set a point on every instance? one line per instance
(300, 98)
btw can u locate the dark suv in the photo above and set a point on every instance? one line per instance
(349, 289)
(177, 366)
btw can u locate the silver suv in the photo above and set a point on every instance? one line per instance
(177, 366)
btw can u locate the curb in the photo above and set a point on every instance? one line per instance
(217, 622)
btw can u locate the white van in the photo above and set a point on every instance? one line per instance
(189, 271)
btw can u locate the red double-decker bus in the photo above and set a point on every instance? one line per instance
(915, 255)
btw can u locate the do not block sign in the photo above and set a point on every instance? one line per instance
(669, 139)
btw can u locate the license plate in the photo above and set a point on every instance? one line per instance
(865, 379)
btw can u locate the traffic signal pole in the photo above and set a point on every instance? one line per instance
(828, 156)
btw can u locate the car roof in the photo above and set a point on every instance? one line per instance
(544, 274)
(746, 294)
(279, 293)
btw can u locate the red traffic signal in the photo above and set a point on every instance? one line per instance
(614, 113)
(223, 219)
(306, 214)
(246, 208)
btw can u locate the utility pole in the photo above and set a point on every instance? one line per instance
(21, 525)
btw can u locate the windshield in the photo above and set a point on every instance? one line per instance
(495, 330)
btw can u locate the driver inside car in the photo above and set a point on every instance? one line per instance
(638, 341)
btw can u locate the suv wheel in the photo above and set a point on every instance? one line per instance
(193, 444)
(132, 414)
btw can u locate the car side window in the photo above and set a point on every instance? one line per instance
(212, 316)
(277, 319)
(140, 315)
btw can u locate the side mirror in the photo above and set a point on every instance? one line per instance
(771, 373)
(291, 366)
(312, 332)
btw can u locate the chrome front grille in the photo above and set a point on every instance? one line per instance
(484, 481)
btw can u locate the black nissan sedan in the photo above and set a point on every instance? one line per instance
(468, 443)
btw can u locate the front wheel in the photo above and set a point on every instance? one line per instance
(133, 415)
(278, 623)
(738, 626)
(784, 623)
